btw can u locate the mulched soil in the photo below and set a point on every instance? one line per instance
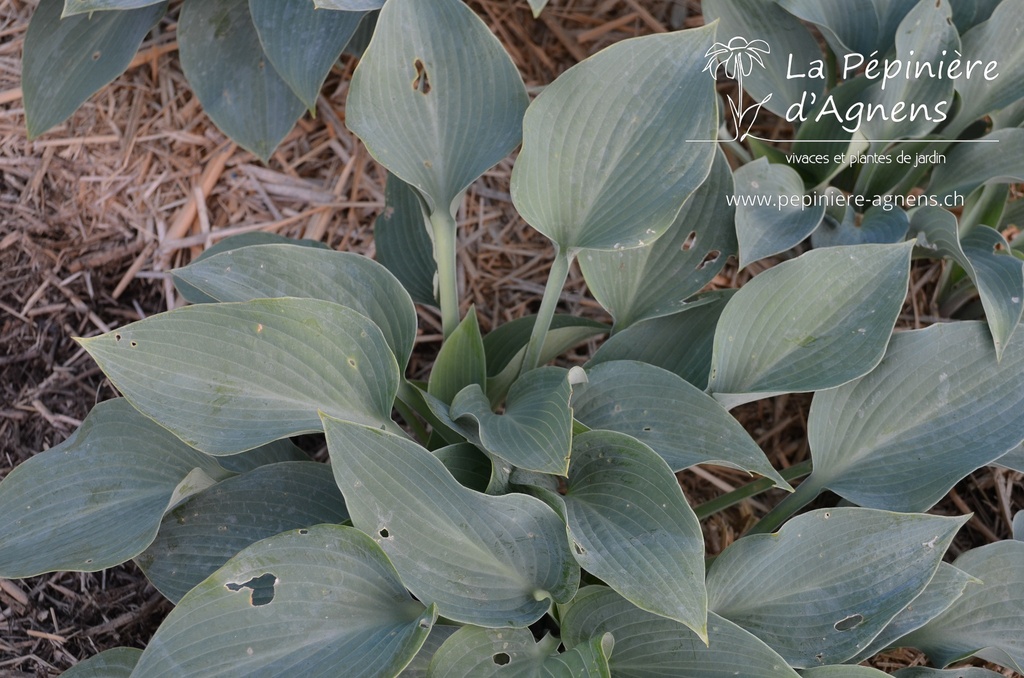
(94, 213)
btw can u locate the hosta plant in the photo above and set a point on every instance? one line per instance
(527, 518)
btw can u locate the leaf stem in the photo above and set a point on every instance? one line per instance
(443, 228)
(557, 276)
(709, 508)
(805, 493)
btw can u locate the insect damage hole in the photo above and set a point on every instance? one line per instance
(709, 258)
(421, 83)
(690, 241)
(262, 588)
(501, 658)
(383, 532)
(849, 623)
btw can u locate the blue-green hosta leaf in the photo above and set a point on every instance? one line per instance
(876, 225)
(227, 68)
(271, 453)
(1000, 40)
(842, 671)
(837, 576)
(435, 110)
(270, 271)
(490, 561)
(925, 35)
(605, 168)
(300, 603)
(631, 527)
(656, 279)
(937, 407)
(647, 645)
(67, 60)
(647, 402)
(205, 531)
(403, 241)
(847, 27)
(763, 226)
(785, 35)
(946, 586)
(302, 43)
(964, 672)
(998, 276)
(680, 343)
(535, 430)
(419, 666)
(72, 7)
(1018, 526)
(506, 343)
(116, 662)
(986, 621)
(349, 5)
(1014, 459)
(195, 296)
(95, 500)
(226, 378)
(537, 6)
(968, 166)
(460, 362)
(467, 464)
(474, 652)
(811, 323)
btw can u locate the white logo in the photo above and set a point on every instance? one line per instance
(737, 60)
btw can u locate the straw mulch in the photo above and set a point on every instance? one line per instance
(95, 213)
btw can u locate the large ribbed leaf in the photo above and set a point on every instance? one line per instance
(490, 561)
(647, 402)
(300, 603)
(67, 60)
(403, 241)
(837, 576)
(631, 527)
(204, 532)
(655, 280)
(505, 343)
(848, 28)
(970, 165)
(763, 226)
(680, 343)
(963, 672)
(302, 43)
(786, 37)
(474, 652)
(229, 377)
(535, 430)
(418, 667)
(603, 167)
(460, 362)
(352, 280)
(998, 40)
(876, 225)
(96, 499)
(271, 453)
(436, 99)
(349, 5)
(116, 662)
(647, 645)
(808, 324)
(984, 254)
(72, 7)
(926, 35)
(228, 70)
(937, 407)
(946, 586)
(986, 621)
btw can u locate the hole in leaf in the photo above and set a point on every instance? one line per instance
(134, 344)
(690, 241)
(303, 531)
(117, 337)
(422, 81)
(820, 656)
(262, 588)
(647, 429)
(851, 622)
(383, 532)
(579, 549)
(352, 362)
(96, 55)
(424, 624)
(501, 658)
(709, 258)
